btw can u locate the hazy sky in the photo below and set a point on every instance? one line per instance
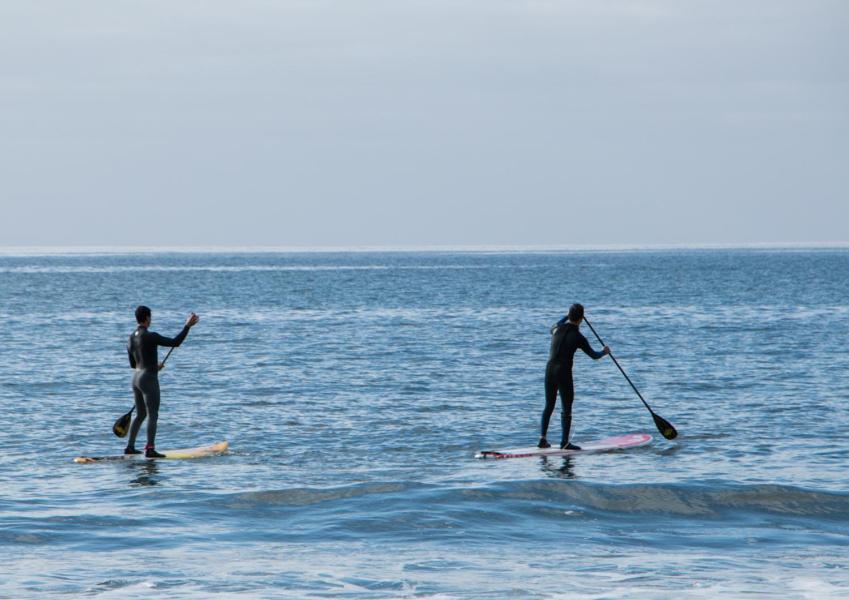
(432, 122)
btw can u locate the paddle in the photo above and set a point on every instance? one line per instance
(122, 425)
(663, 426)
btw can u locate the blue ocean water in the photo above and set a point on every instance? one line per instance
(355, 388)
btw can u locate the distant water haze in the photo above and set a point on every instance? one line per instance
(382, 123)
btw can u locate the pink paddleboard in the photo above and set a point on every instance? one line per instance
(630, 440)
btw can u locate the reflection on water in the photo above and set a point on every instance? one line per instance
(146, 470)
(554, 468)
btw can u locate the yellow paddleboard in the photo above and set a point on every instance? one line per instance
(213, 450)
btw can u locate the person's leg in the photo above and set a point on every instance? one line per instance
(141, 414)
(567, 396)
(550, 400)
(151, 399)
(149, 384)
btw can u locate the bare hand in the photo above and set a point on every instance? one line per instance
(606, 350)
(161, 366)
(192, 320)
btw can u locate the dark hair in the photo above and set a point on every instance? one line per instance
(576, 312)
(142, 314)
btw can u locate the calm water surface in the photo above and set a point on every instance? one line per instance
(355, 388)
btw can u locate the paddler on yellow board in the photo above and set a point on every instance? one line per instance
(142, 351)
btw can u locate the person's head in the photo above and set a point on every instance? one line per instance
(576, 313)
(143, 315)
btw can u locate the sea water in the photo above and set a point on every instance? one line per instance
(356, 387)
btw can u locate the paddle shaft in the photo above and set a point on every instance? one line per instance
(616, 362)
(170, 350)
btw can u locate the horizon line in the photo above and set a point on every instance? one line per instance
(470, 248)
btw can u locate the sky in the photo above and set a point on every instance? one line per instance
(423, 123)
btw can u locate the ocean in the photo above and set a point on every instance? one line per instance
(355, 389)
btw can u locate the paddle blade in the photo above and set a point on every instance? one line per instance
(122, 425)
(664, 427)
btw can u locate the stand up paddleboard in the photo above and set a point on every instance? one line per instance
(213, 450)
(631, 440)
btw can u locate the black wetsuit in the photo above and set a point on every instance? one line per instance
(142, 350)
(566, 338)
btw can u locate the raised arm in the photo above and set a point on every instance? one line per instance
(175, 341)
